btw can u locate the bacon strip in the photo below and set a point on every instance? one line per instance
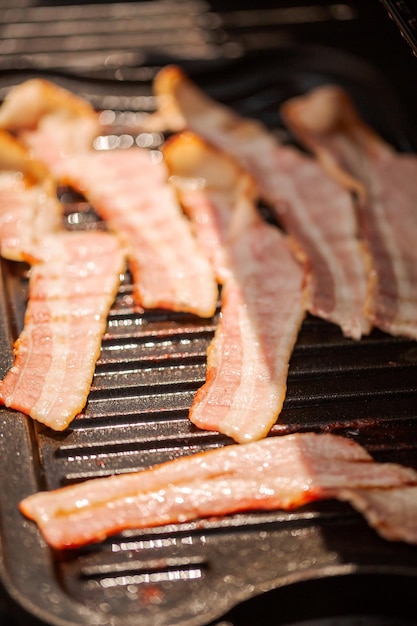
(126, 187)
(28, 204)
(51, 121)
(130, 191)
(316, 212)
(385, 184)
(285, 473)
(73, 282)
(248, 359)
(263, 303)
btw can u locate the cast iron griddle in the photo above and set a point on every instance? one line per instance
(319, 561)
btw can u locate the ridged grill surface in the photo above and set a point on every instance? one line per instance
(152, 363)
(116, 39)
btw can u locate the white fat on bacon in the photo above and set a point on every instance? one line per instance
(276, 473)
(263, 300)
(316, 212)
(385, 185)
(73, 281)
(28, 204)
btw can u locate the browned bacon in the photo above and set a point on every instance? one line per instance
(262, 304)
(52, 121)
(128, 188)
(73, 281)
(385, 184)
(275, 473)
(316, 212)
(28, 204)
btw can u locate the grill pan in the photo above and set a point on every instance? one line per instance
(318, 565)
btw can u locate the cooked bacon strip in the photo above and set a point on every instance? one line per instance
(28, 204)
(130, 191)
(52, 121)
(73, 282)
(316, 212)
(126, 187)
(263, 303)
(385, 184)
(275, 473)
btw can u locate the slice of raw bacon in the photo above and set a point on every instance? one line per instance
(276, 473)
(73, 281)
(28, 204)
(316, 212)
(128, 188)
(385, 184)
(130, 191)
(262, 305)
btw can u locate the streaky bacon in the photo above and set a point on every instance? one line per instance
(73, 281)
(317, 213)
(210, 185)
(262, 304)
(283, 472)
(28, 204)
(126, 187)
(131, 192)
(385, 185)
(50, 120)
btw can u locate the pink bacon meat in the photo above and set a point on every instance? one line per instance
(385, 185)
(262, 305)
(285, 473)
(28, 204)
(317, 213)
(128, 188)
(73, 281)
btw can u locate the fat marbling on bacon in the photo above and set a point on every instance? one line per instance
(28, 204)
(317, 213)
(126, 187)
(282, 472)
(73, 281)
(263, 300)
(384, 182)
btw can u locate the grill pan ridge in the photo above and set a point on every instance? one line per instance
(151, 364)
